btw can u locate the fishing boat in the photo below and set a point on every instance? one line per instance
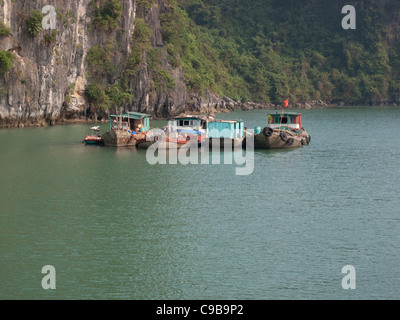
(284, 130)
(179, 132)
(127, 129)
(95, 138)
(187, 129)
(226, 133)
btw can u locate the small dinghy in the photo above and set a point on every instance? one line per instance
(94, 138)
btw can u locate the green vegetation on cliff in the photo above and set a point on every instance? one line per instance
(106, 13)
(193, 48)
(34, 22)
(110, 71)
(4, 30)
(6, 62)
(268, 50)
(259, 50)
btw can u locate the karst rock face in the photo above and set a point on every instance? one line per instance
(48, 79)
(51, 69)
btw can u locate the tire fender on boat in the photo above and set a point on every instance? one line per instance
(283, 136)
(267, 131)
(290, 141)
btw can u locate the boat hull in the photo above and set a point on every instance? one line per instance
(281, 139)
(226, 143)
(119, 138)
(146, 139)
(167, 142)
(143, 144)
(93, 140)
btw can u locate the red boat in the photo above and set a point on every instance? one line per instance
(182, 139)
(94, 138)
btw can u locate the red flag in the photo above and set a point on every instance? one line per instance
(286, 103)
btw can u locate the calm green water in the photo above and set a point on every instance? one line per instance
(115, 227)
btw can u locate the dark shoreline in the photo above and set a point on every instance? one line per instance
(8, 123)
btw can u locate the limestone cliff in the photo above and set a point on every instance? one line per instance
(50, 71)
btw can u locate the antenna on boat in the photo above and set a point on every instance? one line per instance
(120, 117)
(285, 104)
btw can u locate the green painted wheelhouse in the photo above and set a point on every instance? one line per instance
(227, 129)
(284, 119)
(226, 134)
(135, 121)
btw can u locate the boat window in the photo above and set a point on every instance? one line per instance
(180, 123)
(284, 120)
(186, 123)
(191, 122)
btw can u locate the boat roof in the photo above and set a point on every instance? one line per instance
(132, 115)
(290, 113)
(227, 121)
(196, 117)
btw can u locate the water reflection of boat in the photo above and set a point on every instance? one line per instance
(95, 138)
(284, 130)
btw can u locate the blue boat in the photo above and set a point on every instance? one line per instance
(226, 133)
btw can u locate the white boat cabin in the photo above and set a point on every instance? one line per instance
(188, 124)
(287, 119)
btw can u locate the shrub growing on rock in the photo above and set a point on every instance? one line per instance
(4, 30)
(107, 14)
(6, 62)
(34, 22)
